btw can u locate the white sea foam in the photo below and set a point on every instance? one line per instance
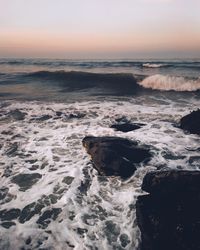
(162, 82)
(95, 211)
(154, 65)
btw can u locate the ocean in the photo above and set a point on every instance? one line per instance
(51, 197)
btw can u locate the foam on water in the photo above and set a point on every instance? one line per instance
(154, 65)
(162, 82)
(77, 208)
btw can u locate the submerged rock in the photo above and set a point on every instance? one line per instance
(169, 216)
(26, 181)
(124, 125)
(191, 122)
(114, 155)
(17, 114)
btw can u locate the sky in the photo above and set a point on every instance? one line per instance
(100, 28)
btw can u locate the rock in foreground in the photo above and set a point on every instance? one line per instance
(191, 122)
(114, 155)
(169, 216)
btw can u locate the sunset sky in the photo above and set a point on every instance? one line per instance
(99, 28)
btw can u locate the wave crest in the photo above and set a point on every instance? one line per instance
(161, 82)
(154, 65)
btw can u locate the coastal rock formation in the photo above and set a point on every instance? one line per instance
(169, 216)
(114, 155)
(191, 122)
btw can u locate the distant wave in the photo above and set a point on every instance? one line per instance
(161, 82)
(154, 65)
(76, 80)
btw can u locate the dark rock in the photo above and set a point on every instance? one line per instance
(125, 127)
(8, 224)
(169, 216)
(9, 214)
(17, 114)
(114, 155)
(30, 210)
(46, 217)
(26, 181)
(191, 122)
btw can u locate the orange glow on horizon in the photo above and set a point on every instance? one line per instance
(40, 42)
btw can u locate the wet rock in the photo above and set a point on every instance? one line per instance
(126, 127)
(26, 181)
(46, 217)
(12, 149)
(191, 122)
(169, 216)
(17, 114)
(8, 224)
(30, 210)
(114, 155)
(7, 215)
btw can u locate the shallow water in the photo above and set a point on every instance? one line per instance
(66, 204)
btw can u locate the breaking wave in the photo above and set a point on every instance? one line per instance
(161, 82)
(154, 65)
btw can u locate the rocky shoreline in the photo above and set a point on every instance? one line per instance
(168, 216)
(81, 199)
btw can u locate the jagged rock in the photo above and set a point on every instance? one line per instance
(191, 122)
(169, 216)
(114, 155)
(25, 181)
